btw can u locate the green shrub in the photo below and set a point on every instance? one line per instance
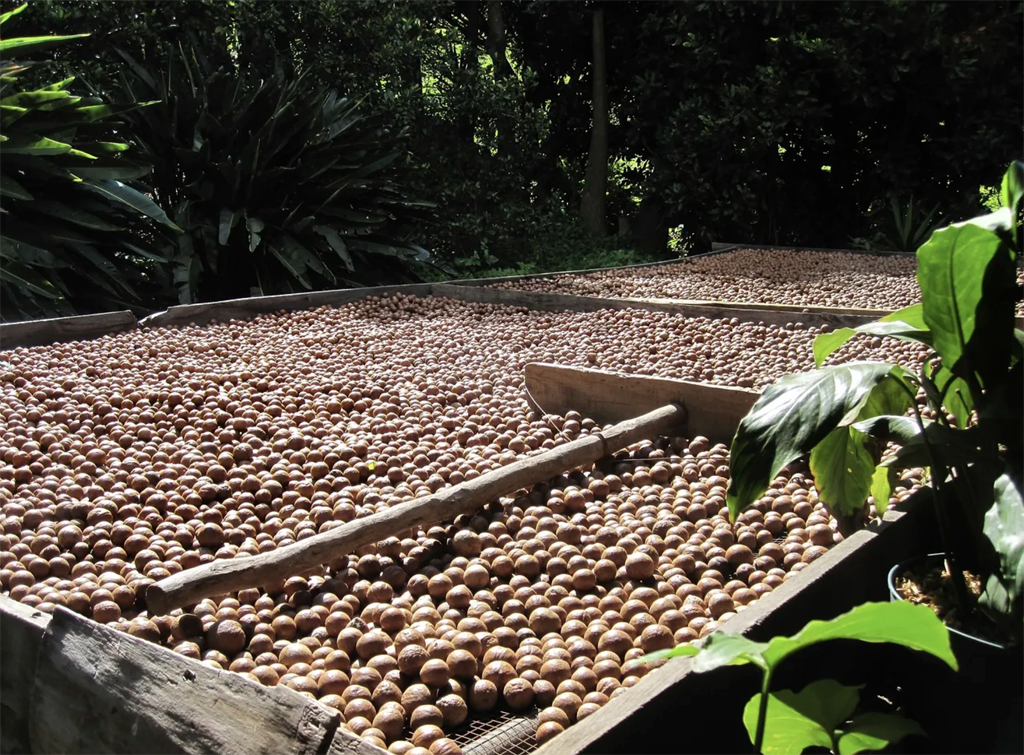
(279, 184)
(76, 236)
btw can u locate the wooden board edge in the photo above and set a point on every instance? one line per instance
(62, 329)
(21, 637)
(784, 611)
(204, 313)
(543, 301)
(712, 410)
(97, 689)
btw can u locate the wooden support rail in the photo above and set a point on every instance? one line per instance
(228, 575)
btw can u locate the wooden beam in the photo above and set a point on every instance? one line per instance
(550, 302)
(21, 637)
(713, 411)
(43, 332)
(201, 314)
(100, 690)
(228, 575)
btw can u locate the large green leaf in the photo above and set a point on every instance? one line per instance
(899, 622)
(883, 482)
(140, 203)
(24, 45)
(790, 418)
(967, 277)
(1012, 188)
(875, 732)
(9, 187)
(842, 469)
(33, 144)
(906, 325)
(795, 721)
(336, 243)
(1004, 528)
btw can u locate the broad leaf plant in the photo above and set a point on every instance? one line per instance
(968, 435)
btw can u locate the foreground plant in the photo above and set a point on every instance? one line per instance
(969, 435)
(822, 713)
(76, 236)
(279, 184)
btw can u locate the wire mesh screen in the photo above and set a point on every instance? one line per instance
(500, 733)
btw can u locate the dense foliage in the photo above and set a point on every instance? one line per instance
(764, 122)
(278, 184)
(75, 236)
(971, 442)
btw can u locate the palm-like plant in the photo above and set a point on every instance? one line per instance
(76, 237)
(279, 184)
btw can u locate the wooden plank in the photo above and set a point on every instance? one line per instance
(100, 690)
(201, 314)
(228, 575)
(713, 411)
(849, 574)
(42, 332)
(548, 302)
(21, 636)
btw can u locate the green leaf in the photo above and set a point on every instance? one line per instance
(842, 469)
(875, 732)
(786, 730)
(336, 243)
(1004, 528)
(795, 721)
(254, 226)
(119, 192)
(11, 188)
(889, 326)
(720, 649)
(228, 219)
(957, 269)
(27, 278)
(898, 429)
(32, 144)
(5, 16)
(77, 216)
(790, 418)
(1012, 187)
(24, 45)
(913, 626)
(946, 390)
(883, 482)
(677, 651)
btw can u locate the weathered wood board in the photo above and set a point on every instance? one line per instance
(713, 411)
(100, 690)
(21, 637)
(201, 314)
(536, 300)
(42, 332)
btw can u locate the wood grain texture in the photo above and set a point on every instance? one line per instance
(21, 636)
(228, 575)
(100, 690)
(713, 411)
(550, 302)
(60, 329)
(201, 314)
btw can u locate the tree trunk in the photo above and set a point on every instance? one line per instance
(592, 203)
(497, 40)
(465, 125)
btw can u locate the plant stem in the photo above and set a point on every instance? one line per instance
(939, 474)
(762, 711)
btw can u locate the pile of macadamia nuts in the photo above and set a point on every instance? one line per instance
(131, 457)
(755, 276)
